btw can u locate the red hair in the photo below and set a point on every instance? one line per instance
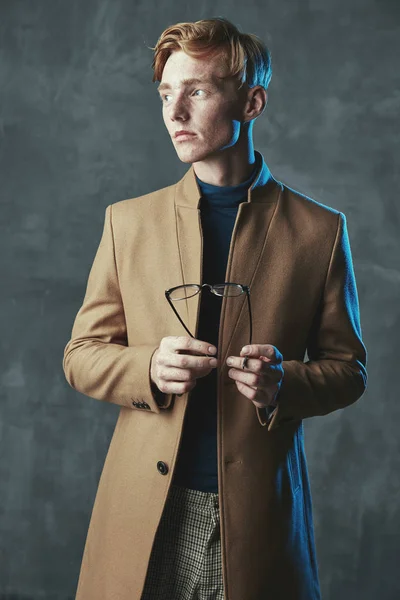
(248, 58)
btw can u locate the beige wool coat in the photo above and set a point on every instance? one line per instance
(294, 254)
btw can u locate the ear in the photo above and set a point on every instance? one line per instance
(263, 96)
(256, 103)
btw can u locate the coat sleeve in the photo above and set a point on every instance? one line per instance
(335, 374)
(97, 360)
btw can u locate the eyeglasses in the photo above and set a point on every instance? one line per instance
(227, 289)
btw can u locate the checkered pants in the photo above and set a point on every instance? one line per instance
(185, 563)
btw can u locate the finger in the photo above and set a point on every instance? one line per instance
(266, 352)
(171, 374)
(188, 361)
(265, 374)
(247, 390)
(257, 396)
(247, 377)
(188, 344)
(277, 356)
(253, 364)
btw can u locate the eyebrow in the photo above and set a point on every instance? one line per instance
(191, 81)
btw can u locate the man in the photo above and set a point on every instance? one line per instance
(204, 492)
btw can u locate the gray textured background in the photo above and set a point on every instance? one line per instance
(81, 127)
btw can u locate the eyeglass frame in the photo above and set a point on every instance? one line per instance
(245, 288)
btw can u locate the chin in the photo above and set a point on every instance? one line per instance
(185, 159)
(193, 156)
(188, 157)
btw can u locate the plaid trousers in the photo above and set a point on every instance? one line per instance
(185, 562)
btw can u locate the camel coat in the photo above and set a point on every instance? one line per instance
(294, 254)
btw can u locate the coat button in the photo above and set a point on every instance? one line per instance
(162, 467)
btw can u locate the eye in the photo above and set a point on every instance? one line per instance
(164, 96)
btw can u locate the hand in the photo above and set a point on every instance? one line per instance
(179, 361)
(261, 379)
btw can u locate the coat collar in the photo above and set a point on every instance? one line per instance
(188, 192)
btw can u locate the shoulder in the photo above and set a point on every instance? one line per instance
(147, 204)
(308, 215)
(307, 205)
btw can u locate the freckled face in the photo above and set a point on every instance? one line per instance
(211, 109)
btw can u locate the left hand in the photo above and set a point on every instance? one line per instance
(261, 379)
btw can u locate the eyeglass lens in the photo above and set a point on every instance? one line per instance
(219, 289)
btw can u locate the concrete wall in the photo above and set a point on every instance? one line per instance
(80, 128)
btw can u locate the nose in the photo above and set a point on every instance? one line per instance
(178, 109)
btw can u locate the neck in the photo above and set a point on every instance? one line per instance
(228, 167)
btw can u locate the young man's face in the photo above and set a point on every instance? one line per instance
(210, 109)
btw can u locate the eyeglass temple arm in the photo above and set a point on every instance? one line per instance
(177, 314)
(183, 324)
(251, 320)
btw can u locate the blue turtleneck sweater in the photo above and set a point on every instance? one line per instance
(197, 464)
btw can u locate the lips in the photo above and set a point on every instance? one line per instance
(182, 133)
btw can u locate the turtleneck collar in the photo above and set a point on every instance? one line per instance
(264, 187)
(216, 196)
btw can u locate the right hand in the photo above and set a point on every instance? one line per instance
(179, 361)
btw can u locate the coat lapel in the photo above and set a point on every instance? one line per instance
(190, 241)
(247, 242)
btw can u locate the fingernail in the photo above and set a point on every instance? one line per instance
(245, 350)
(212, 349)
